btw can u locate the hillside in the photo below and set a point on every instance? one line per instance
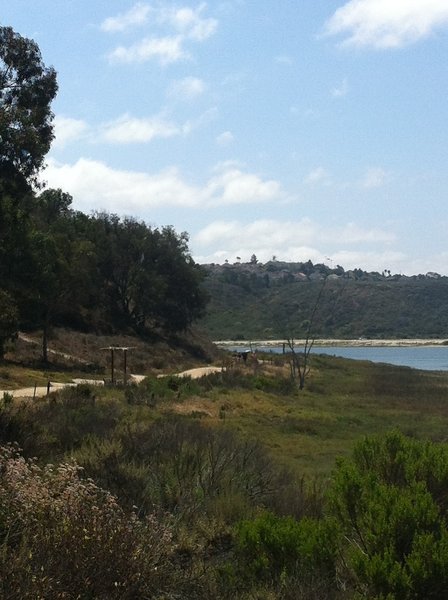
(74, 354)
(276, 299)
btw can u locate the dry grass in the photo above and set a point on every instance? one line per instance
(75, 354)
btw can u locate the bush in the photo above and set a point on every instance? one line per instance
(64, 537)
(391, 500)
(278, 550)
(239, 379)
(153, 389)
(189, 465)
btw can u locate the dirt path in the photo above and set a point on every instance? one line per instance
(36, 392)
(30, 340)
(199, 372)
(41, 391)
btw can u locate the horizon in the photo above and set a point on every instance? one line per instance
(313, 132)
(386, 274)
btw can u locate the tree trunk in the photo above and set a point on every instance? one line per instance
(45, 341)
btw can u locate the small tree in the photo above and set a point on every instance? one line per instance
(299, 361)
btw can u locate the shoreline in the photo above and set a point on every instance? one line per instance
(333, 342)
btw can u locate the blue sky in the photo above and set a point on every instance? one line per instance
(289, 128)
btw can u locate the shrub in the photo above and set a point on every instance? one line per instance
(7, 399)
(166, 388)
(391, 500)
(64, 537)
(240, 379)
(276, 549)
(189, 465)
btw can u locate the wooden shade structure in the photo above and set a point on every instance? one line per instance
(112, 350)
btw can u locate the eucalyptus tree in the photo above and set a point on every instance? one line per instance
(27, 88)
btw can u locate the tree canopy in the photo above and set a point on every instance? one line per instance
(27, 89)
(58, 265)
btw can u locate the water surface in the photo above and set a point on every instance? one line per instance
(428, 358)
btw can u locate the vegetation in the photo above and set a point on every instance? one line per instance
(27, 88)
(213, 481)
(228, 486)
(275, 299)
(59, 266)
(390, 500)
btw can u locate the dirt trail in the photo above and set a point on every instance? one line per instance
(41, 391)
(199, 372)
(30, 340)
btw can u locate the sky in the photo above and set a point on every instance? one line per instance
(293, 129)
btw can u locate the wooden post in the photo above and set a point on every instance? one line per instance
(112, 350)
(112, 378)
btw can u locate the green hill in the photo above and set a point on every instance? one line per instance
(276, 299)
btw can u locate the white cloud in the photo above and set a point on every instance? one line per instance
(166, 49)
(375, 177)
(396, 262)
(354, 234)
(341, 90)
(225, 138)
(437, 263)
(288, 240)
(318, 175)
(95, 186)
(190, 22)
(206, 117)
(187, 88)
(136, 16)
(223, 240)
(257, 233)
(180, 26)
(68, 130)
(127, 129)
(387, 23)
(233, 186)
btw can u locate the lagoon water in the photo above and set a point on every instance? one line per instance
(429, 358)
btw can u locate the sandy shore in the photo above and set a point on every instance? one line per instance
(333, 342)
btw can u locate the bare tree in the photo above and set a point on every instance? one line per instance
(300, 358)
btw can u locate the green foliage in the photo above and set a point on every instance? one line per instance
(7, 399)
(273, 546)
(9, 320)
(148, 276)
(255, 301)
(286, 554)
(383, 533)
(16, 268)
(190, 468)
(27, 89)
(62, 267)
(94, 272)
(391, 499)
(154, 389)
(233, 379)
